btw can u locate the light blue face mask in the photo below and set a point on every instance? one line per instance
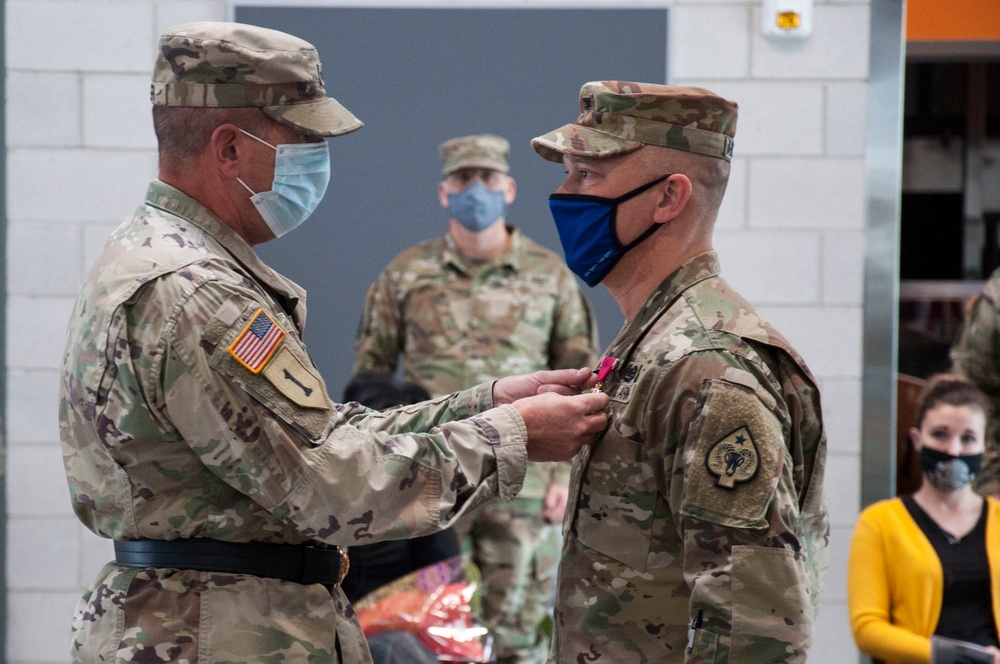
(301, 174)
(477, 207)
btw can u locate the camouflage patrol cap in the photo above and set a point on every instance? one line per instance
(476, 151)
(618, 116)
(231, 65)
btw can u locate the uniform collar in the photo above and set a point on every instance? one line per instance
(449, 254)
(169, 199)
(701, 267)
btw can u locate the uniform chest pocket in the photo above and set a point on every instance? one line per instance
(440, 316)
(433, 313)
(499, 309)
(617, 504)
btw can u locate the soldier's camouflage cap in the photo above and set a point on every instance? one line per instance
(617, 117)
(476, 151)
(234, 65)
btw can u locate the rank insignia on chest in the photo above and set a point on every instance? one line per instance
(255, 345)
(734, 458)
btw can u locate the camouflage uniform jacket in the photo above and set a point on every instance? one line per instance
(976, 356)
(458, 322)
(168, 433)
(703, 500)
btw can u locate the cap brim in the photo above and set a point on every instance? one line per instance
(325, 117)
(580, 141)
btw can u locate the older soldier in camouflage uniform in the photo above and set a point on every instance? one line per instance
(196, 431)
(697, 529)
(482, 301)
(976, 356)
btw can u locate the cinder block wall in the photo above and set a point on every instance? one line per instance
(791, 232)
(80, 152)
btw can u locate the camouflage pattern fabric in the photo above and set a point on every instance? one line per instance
(976, 356)
(208, 64)
(516, 551)
(171, 429)
(703, 501)
(617, 117)
(476, 151)
(456, 323)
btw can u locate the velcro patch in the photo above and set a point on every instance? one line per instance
(734, 463)
(255, 345)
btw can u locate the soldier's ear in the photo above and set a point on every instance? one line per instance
(442, 195)
(509, 191)
(225, 150)
(672, 195)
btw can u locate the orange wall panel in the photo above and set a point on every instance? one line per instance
(952, 20)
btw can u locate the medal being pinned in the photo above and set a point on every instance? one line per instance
(608, 365)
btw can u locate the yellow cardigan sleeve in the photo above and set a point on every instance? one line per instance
(868, 598)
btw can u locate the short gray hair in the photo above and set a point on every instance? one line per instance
(182, 132)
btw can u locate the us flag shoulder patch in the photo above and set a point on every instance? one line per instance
(255, 345)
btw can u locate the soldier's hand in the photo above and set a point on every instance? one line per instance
(561, 381)
(558, 426)
(554, 505)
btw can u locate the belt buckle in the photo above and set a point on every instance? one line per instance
(315, 571)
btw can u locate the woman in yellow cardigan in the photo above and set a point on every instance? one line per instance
(928, 565)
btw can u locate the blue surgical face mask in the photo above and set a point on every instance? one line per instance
(477, 207)
(586, 226)
(301, 174)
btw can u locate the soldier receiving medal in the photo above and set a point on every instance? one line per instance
(697, 528)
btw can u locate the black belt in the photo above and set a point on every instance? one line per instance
(299, 563)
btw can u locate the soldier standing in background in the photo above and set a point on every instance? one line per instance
(196, 431)
(697, 528)
(478, 302)
(976, 356)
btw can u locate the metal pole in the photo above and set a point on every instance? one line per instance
(3, 344)
(881, 316)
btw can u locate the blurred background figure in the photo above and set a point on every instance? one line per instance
(976, 355)
(375, 565)
(479, 302)
(924, 569)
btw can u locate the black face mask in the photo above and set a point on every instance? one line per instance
(946, 472)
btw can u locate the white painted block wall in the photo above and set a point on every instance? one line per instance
(80, 151)
(792, 241)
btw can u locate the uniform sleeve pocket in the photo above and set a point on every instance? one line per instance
(735, 459)
(772, 610)
(282, 378)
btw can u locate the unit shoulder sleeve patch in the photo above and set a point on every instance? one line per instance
(297, 382)
(734, 458)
